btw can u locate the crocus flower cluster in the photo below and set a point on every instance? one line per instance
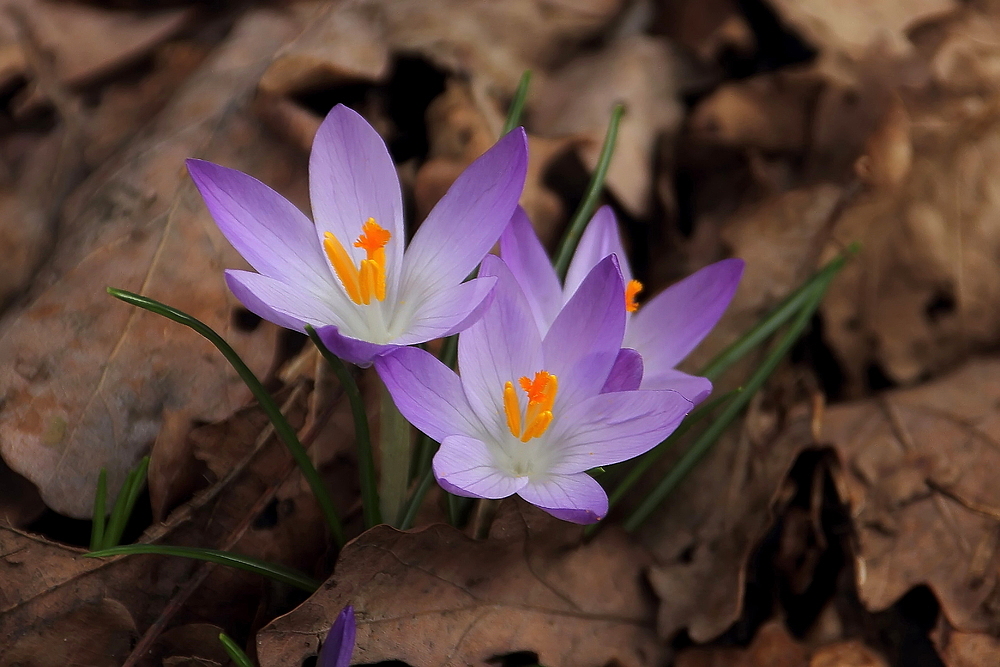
(555, 379)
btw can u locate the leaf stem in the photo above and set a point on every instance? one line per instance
(362, 434)
(582, 216)
(281, 426)
(516, 107)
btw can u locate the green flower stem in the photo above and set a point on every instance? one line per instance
(125, 503)
(236, 654)
(100, 498)
(582, 216)
(708, 438)
(366, 459)
(281, 426)
(416, 500)
(781, 313)
(517, 104)
(274, 571)
(394, 451)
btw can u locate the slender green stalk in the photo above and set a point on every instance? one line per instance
(236, 654)
(780, 314)
(125, 503)
(516, 107)
(366, 459)
(709, 437)
(281, 426)
(100, 498)
(274, 571)
(653, 455)
(416, 500)
(394, 450)
(582, 216)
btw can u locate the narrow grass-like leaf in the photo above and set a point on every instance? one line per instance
(582, 216)
(394, 452)
(274, 571)
(362, 433)
(416, 500)
(122, 509)
(100, 498)
(281, 426)
(236, 654)
(773, 321)
(704, 442)
(516, 107)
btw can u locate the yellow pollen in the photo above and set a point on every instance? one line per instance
(367, 281)
(631, 290)
(541, 393)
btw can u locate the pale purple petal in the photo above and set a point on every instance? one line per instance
(577, 498)
(583, 341)
(692, 387)
(626, 374)
(264, 227)
(464, 466)
(524, 254)
(599, 240)
(339, 643)
(448, 311)
(615, 427)
(352, 178)
(469, 219)
(501, 347)
(277, 302)
(427, 393)
(673, 322)
(353, 350)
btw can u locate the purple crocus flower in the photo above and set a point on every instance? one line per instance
(347, 274)
(339, 643)
(663, 331)
(529, 414)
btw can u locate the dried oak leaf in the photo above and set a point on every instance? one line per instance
(919, 473)
(434, 596)
(86, 378)
(967, 649)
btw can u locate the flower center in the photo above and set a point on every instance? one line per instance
(631, 290)
(367, 281)
(541, 394)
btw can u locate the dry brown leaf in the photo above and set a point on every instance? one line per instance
(90, 390)
(847, 654)
(918, 472)
(967, 649)
(855, 28)
(434, 596)
(772, 646)
(577, 100)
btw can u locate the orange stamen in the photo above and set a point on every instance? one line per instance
(373, 237)
(367, 281)
(541, 392)
(631, 290)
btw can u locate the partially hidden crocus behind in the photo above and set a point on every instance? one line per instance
(531, 414)
(347, 274)
(663, 330)
(339, 643)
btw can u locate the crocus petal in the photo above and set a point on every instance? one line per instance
(469, 219)
(449, 311)
(583, 341)
(339, 643)
(464, 466)
(352, 178)
(692, 387)
(626, 374)
(352, 350)
(501, 347)
(269, 232)
(667, 328)
(577, 498)
(427, 393)
(610, 428)
(599, 240)
(278, 302)
(524, 254)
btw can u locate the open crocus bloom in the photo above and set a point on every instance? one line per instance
(347, 275)
(663, 331)
(531, 414)
(339, 643)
